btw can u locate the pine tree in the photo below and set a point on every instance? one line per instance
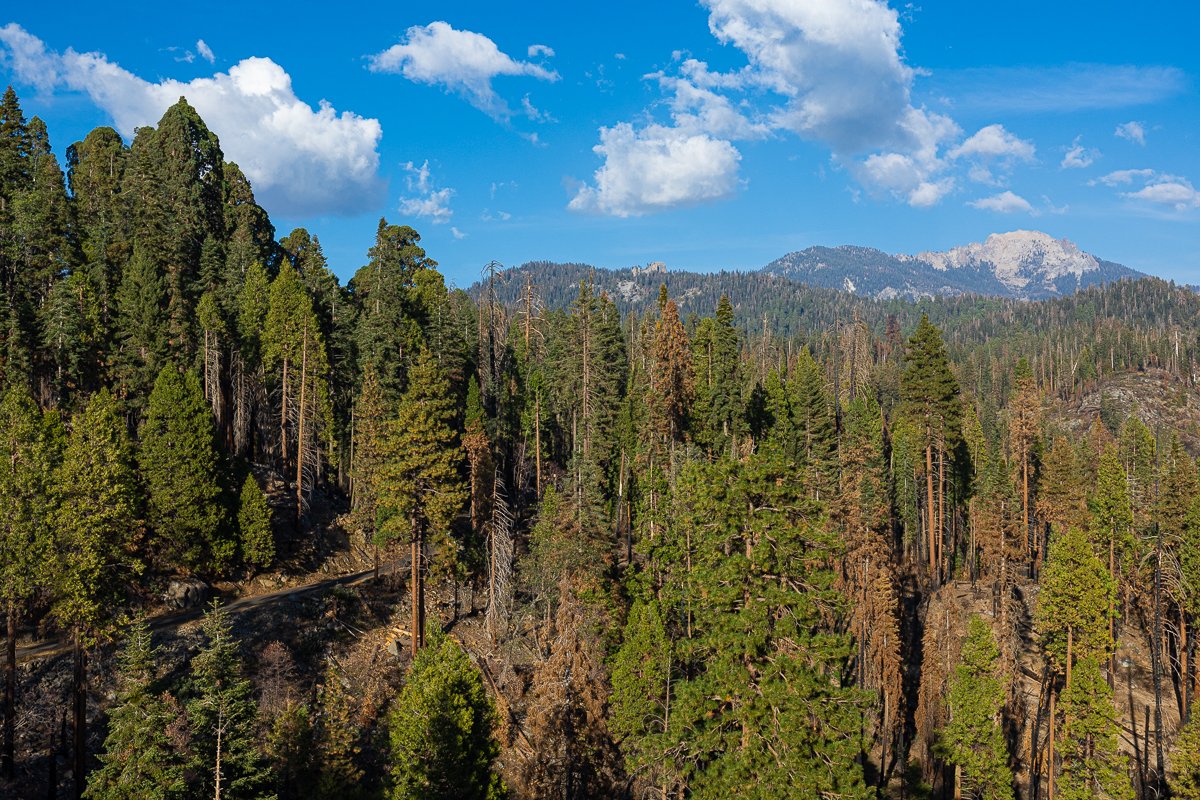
(30, 450)
(95, 522)
(256, 538)
(641, 695)
(973, 740)
(1073, 603)
(1093, 766)
(180, 468)
(929, 400)
(370, 420)
(421, 489)
(389, 331)
(224, 757)
(715, 358)
(765, 712)
(140, 761)
(1185, 761)
(442, 746)
(1061, 492)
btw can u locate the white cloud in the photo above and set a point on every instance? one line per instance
(26, 57)
(657, 168)
(463, 62)
(830, 72)
(536, 50)
(1157, 188)
(459, 235)
(423, 200)
(994, 142)
(301, 160)
(1078, 156)
(1175, 192)
(1131, 131)
(1123, 177)
(205, 51)
(1004, 203)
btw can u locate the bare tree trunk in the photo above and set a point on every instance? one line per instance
(80, 710)
(10, 694)
(283, 417)
(300, 430)
(929, 512)
(1050, 755)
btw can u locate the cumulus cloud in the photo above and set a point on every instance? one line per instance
(1178, 193)
(462, 62)
(1004, 203)
(459, 235)
(536, 50)
(205, 51)
(423, 199)
(1078, 156)
(831, 72)
(1131, 131)
(991, 152)
(301, 160)
(1157, 188)
(657, 168)
(994, 142)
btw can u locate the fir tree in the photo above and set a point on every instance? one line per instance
(180, 468)
(1093, 766)
(973, 740)
(718, 393)
(95, 522)
(256, 538)
(224, 757)
(140, 761)
(442, 746)
(30, 451)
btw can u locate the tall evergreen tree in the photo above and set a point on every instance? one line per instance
(256, 538)
(224, 759)
(180, 467)
(421, 489)
(30, 450)
(139, 762)
(441, 729)
(973, 740)
(929, 400)
(1093, 766)
(95, 521)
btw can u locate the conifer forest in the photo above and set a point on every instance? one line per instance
(265, 534)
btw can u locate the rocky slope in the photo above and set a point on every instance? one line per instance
(1028, 265)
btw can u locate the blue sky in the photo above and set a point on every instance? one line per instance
(709, 135)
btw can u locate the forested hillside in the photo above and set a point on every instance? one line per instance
(735, 537)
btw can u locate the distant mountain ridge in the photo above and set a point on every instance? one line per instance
(1026, 265)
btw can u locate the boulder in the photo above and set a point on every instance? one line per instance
(185, 593)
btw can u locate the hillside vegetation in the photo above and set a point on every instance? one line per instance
(654, 535)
